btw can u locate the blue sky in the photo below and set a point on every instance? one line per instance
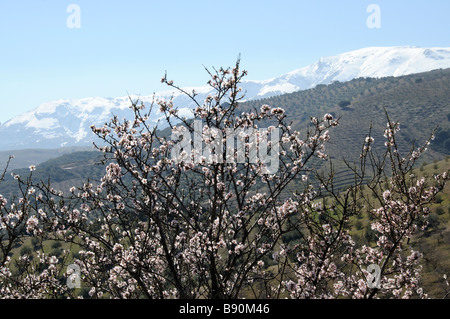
(126, 46)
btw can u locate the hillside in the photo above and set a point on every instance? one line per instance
(27, 157)
(435, 241)
(420, 102)
(63, 172)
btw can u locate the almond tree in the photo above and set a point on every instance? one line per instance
(25, 276)
(200, 224)
(205, 209)
(328, 264)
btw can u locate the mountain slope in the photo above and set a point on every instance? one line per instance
(65, 123)
(419, 102)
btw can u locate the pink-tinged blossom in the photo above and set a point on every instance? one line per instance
(32, 223)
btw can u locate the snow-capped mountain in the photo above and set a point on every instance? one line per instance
(66, 122)
(373, 62)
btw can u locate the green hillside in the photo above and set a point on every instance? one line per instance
(27, 157)
(434, 243)
(63, 172)
(419, 102)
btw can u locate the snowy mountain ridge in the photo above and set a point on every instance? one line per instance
(66, 122)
